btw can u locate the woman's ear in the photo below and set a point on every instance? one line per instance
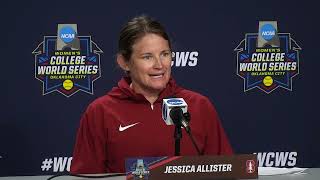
(122, 62)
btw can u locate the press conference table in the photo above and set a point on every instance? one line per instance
(309, 174)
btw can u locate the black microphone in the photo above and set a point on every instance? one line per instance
(178, 118)
(175, 112)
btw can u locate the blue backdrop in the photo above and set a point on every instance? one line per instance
(35, 127)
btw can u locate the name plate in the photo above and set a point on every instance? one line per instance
(243, 166)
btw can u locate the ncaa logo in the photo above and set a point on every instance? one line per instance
(67, 34)
(174, 102)
(268, 32)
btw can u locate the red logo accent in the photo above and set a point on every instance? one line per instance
(250, 164)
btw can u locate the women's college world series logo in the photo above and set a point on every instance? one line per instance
(67, 63)
(140, 170)
(268, 59)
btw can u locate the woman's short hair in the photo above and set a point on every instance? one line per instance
(135, 29)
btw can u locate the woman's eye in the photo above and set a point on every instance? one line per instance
(147, 57)
(165, 54)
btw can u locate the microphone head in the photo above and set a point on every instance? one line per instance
(176, 114)
(168, 105)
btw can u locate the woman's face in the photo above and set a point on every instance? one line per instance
(150, 64)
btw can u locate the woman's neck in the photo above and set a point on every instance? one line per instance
(151, 96)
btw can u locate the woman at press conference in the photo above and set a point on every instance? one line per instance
(127, 121)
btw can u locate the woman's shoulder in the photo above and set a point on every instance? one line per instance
(101, 102)
(192, 96)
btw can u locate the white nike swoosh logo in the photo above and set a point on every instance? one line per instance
(126, 127)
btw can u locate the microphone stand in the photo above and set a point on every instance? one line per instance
(177, 138)
(179, 118)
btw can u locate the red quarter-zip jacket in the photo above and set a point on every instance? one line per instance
(124, 124)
